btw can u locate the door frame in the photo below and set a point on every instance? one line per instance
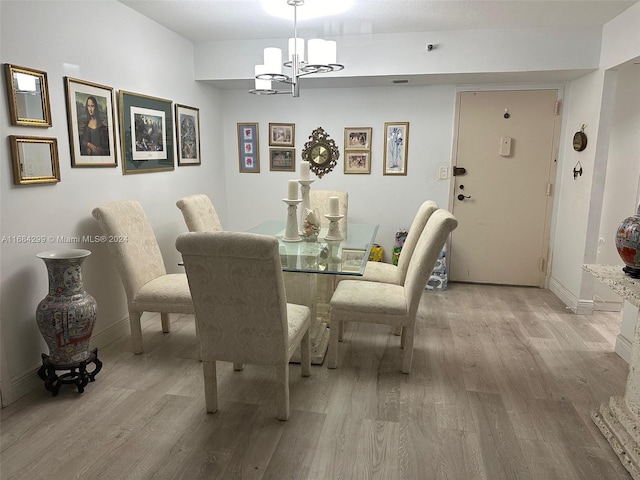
(545, 273)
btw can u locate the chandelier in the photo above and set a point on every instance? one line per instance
(321, 58)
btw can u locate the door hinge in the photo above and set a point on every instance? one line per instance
(549, 189)
(556, 111)
(543, 265)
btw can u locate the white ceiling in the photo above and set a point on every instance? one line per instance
(201, 20)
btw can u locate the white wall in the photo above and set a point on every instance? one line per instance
(578, 207)
(390, 201)
(110, 44)
(469, 51)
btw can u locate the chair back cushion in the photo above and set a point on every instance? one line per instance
(419, 221)
(440, 224)
(319, 199)
(199, 213)
(238, 295)
(138, 258)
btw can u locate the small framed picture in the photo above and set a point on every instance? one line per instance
(357, 161)
(282, 134)
(188, 135)
(352, 260)
(282, 159)
(396, 148)
(28, 96)
(35, 160)
(91, 120)
(248, 148)
(357, 138)
(146, 133)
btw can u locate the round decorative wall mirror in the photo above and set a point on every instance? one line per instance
(321, 152)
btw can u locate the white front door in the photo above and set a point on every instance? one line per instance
(506, 144)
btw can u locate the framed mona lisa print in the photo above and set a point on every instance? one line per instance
(91, 122)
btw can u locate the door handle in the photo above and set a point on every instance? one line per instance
(462, 197)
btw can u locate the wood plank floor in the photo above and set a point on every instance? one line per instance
(502, 386)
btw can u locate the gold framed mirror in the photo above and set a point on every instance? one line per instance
(321, 152)
(28, 96)
(35, 160)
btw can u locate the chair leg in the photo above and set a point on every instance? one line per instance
(283, 388)
(166, 322)
(341, 331)
(400, 331)
(407, 341)
(136, 332)
(334, 336)
(305, 354)
(210, 386)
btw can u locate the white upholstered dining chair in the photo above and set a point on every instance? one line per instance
(148, 286)
(241, 308)
(199, 213)
(389, 304)
(389, 273)
(319, 199)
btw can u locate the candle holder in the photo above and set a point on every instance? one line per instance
(305, 187)
(291, 233)
(334, 228)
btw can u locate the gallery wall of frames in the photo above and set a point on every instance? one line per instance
(146, 127)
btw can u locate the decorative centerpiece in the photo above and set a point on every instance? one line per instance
(628, 244)
(66, 317)
(311, 225)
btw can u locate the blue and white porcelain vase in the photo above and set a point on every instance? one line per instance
(67, 314)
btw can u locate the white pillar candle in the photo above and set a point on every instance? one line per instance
(333, 206)
(293, 190)
(304, 170)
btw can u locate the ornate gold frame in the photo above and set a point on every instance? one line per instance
(24, 102)
(319, 138)
(46, 170)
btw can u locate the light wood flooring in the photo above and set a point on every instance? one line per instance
(502, 386)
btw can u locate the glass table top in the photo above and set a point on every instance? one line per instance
(337, 257)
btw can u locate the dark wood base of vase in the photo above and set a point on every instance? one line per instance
(76, 373)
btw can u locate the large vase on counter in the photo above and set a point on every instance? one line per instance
(628, 244)
(67, 314)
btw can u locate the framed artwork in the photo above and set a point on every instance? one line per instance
(188, 135)
(146, 133)
(28, 92)
(352, 259)
(357, 161)
(282, 134)
(91, 121)
(35, 160)
(248, 148)
(357, 138)
(282, 159)
(396, 148)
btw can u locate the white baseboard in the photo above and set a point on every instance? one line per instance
(601, 306)
(576, 305)
(623, 348)
(27, 381)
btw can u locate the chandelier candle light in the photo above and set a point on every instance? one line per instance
(321, 58)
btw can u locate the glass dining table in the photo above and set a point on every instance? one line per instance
(311, 268)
